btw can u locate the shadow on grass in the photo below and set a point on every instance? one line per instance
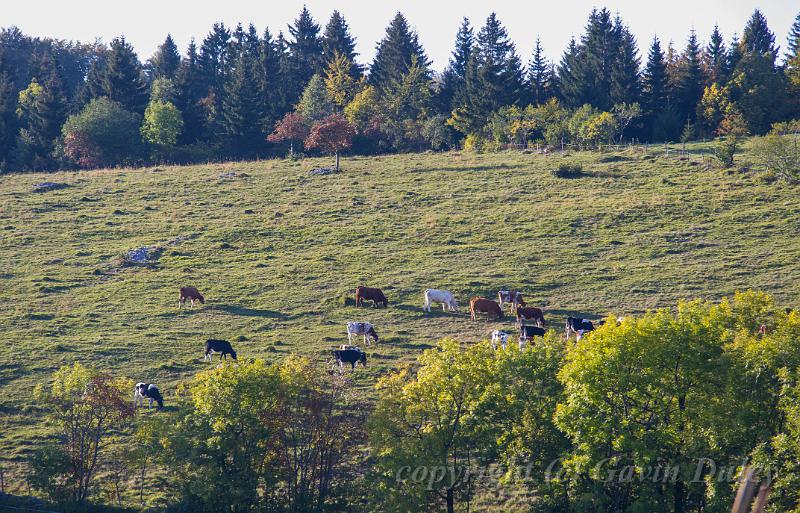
(466, 168)
(249, 312)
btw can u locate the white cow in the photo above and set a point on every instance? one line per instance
(445, 297)
(361, 328)
(501, 337)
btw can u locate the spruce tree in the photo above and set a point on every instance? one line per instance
(48, 111)
(539, 76)
(452, 92)
(241, 117)
(305, 50)
(270, 84)
(688, 81)
(567, 84)
(757, 37)
(337, 39)
(165, 62)
(214, 62)
(716, 56)
(625, 86)
(395, 52)
(499, 65)
(8, 104)
(654, 87)
(734, 54)
(190, 92)
(122, 80)
(793, 44)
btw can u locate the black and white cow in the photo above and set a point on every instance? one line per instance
(528, 332)
(149, 391)
(577, 326)
(221, 347)
(361, 328)
(501, 337)
(351, 356)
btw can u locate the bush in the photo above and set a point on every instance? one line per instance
(567, 170)
(779, 155)
(102, 134)
(725, 149)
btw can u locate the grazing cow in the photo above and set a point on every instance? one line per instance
(149, 391)
(361, 328)
(351, 356)
(510, 296)
(528, 332)
(221, 347)
(577, 326)
(487, 306)
(375, 295)
(500, 336)
(762, 330)
(445, 297)
(530, 314)
(190, 294)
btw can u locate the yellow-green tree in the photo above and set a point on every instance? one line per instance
(339, 80)
(162, 124)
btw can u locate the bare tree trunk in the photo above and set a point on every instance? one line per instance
(450, 501)
(337, 161)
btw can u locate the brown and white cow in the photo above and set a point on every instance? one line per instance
(375, 295)
(512, 297)
(483, 305)
(190, 294)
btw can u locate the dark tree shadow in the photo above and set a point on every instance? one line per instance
(248, 312)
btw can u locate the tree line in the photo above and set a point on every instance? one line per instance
(653, 413)
(245, 94)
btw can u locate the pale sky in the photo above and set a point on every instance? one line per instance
(145, 23)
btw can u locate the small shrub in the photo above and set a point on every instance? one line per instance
(567, 170)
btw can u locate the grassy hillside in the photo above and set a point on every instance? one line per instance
(277, 252)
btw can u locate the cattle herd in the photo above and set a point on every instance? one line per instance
(529, 323)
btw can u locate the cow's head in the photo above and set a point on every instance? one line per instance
(233, 354)
(201, 299)
(363, 357)
(373, 334)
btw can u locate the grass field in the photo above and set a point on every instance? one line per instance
(277, 252)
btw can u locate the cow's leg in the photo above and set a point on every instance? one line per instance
(150, 404)
(349, 338)
(367, 339)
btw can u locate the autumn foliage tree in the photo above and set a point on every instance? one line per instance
(331, 135)
(86, 406)
(292, 127)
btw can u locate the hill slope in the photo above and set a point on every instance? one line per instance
(277, 252)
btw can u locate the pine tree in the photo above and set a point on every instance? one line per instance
(165, 62)
(688, 81)
(395, 52)
(625, 84)
(539, 76)
(305, 50)
(757, 37)
(241, 119)
(793, 44)
(337, 39)
(93, 85)
(715, 57)
(122, 79)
